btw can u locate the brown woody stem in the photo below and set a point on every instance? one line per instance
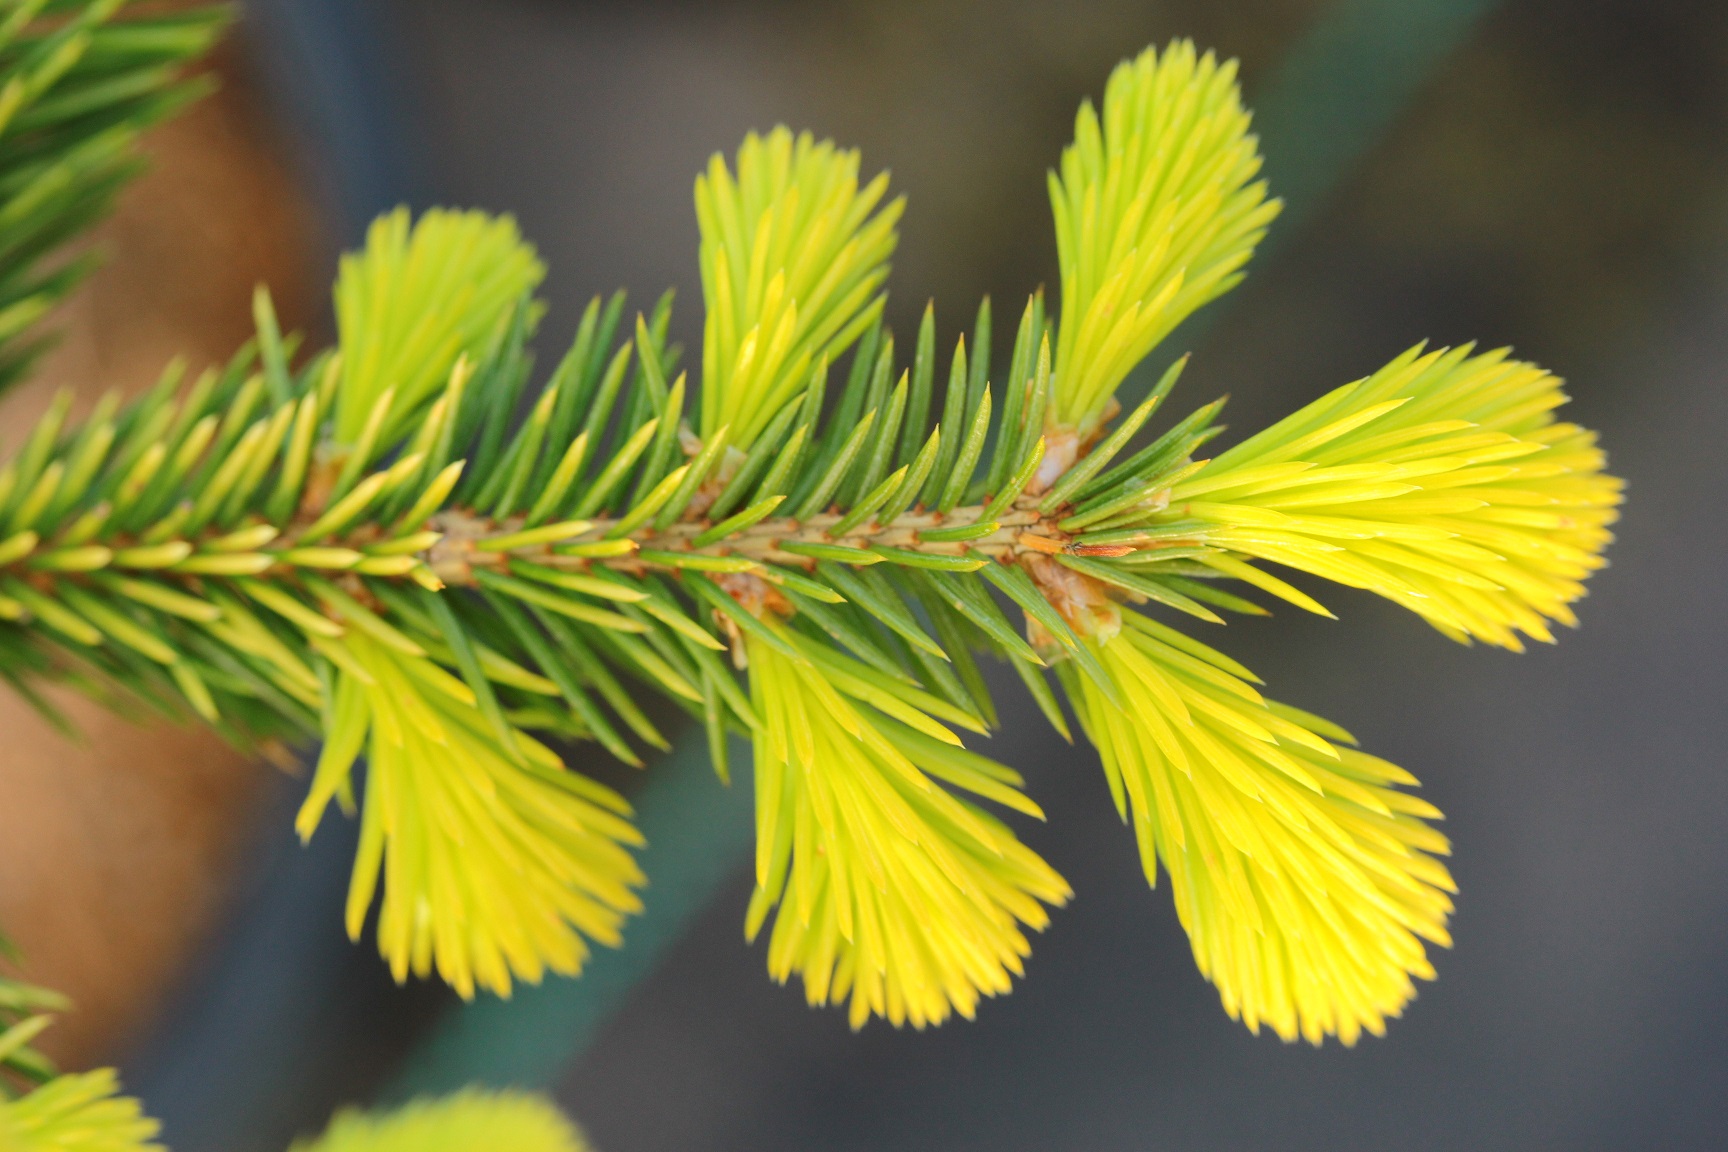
(1020, 531)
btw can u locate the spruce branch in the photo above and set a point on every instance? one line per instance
(368, 546)
(80, 80)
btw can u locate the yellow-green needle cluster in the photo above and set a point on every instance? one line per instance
(413, 300)
(792, 267)
(1305, 880)
(1157, 211)
(470, 1121)
(1442, 482)
(79, 1112)
(890, 887)
(496, 860)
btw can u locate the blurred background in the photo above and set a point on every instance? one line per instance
(1551, 174)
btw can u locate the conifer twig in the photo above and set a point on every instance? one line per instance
(368, 546)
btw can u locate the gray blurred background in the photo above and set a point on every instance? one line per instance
(1558, 183)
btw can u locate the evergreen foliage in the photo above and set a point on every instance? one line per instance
(79, 86)
(368, 546)
(470, 1121)
(1156, 214)
(792, 266)
(25, 1013)
(78, 1112)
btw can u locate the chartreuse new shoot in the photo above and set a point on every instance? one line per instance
(400, 547)
(1442, 482)
(793, 258)
(470, 1121)
(409, 303)
(1306, 881)
(1157, 211)
(890, 887)
(78, 1112)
